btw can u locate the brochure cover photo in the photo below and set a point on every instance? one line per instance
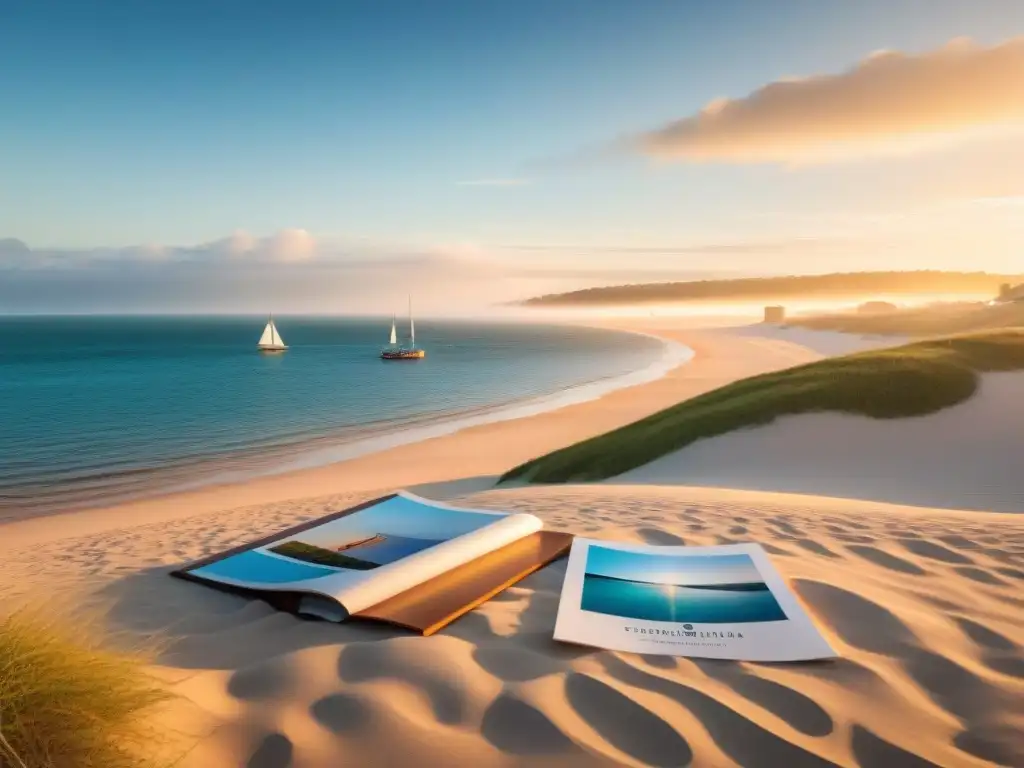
(345, 547)
(716, 602)
(400, 559)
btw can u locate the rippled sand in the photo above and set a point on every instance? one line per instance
(924, 606)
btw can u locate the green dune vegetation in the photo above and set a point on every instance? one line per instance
(837, 285)
(65, 702)
(911, 380)
(934, 320)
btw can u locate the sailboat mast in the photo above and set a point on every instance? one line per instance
(412, 327)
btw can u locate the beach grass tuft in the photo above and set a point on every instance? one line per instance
(911, 380)
(67, 702)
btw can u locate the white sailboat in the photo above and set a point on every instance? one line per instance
(271, 340)
(394, 332)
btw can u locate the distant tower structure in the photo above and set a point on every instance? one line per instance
(775, 315)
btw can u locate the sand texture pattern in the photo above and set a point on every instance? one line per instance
(924, 607)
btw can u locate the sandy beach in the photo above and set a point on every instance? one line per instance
(922, 603)
(476, 455)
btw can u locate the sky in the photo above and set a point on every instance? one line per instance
(333, 157)
(672, 569)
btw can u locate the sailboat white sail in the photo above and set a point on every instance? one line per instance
(271, 340)
(394, 332)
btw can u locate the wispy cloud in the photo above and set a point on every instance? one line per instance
(1007, 200)
(786, 245)
(890, 101)
(289, 248)
(291, 270)
(494, 183)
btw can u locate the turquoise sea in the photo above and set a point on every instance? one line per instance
(668, 602)
(100, 409)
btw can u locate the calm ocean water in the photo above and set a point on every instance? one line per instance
(96, 409)
(659, 602)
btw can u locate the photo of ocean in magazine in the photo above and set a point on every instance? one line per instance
(715, 602)
(399, 559)
(713, 589)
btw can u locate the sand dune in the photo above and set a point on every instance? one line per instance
(969, 456)
(923, 606)
(827, 343)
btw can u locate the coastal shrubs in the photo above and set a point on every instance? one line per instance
(67, 703)
(935, 320)
(837, 285)
(912, 380)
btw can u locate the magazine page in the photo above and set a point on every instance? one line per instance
(721, 602)
(447, 555)
(368, 555)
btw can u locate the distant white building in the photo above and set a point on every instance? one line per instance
(1011, 293)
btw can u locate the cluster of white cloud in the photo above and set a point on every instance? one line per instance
(291, 270)
(291, 246)
(890, 101)
(288, 248)
(285, 247)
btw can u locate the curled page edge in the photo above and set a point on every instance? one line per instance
(393, 579)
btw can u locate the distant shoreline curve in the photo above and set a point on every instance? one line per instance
(674, 354)
(327, 451)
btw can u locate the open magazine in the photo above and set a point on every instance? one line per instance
(722, 602)
(399, 559)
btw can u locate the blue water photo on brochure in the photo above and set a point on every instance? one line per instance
(704, 589)
(391, 530)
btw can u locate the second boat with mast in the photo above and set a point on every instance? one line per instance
(408, 351)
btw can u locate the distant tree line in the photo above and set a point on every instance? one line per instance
(771, 288)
